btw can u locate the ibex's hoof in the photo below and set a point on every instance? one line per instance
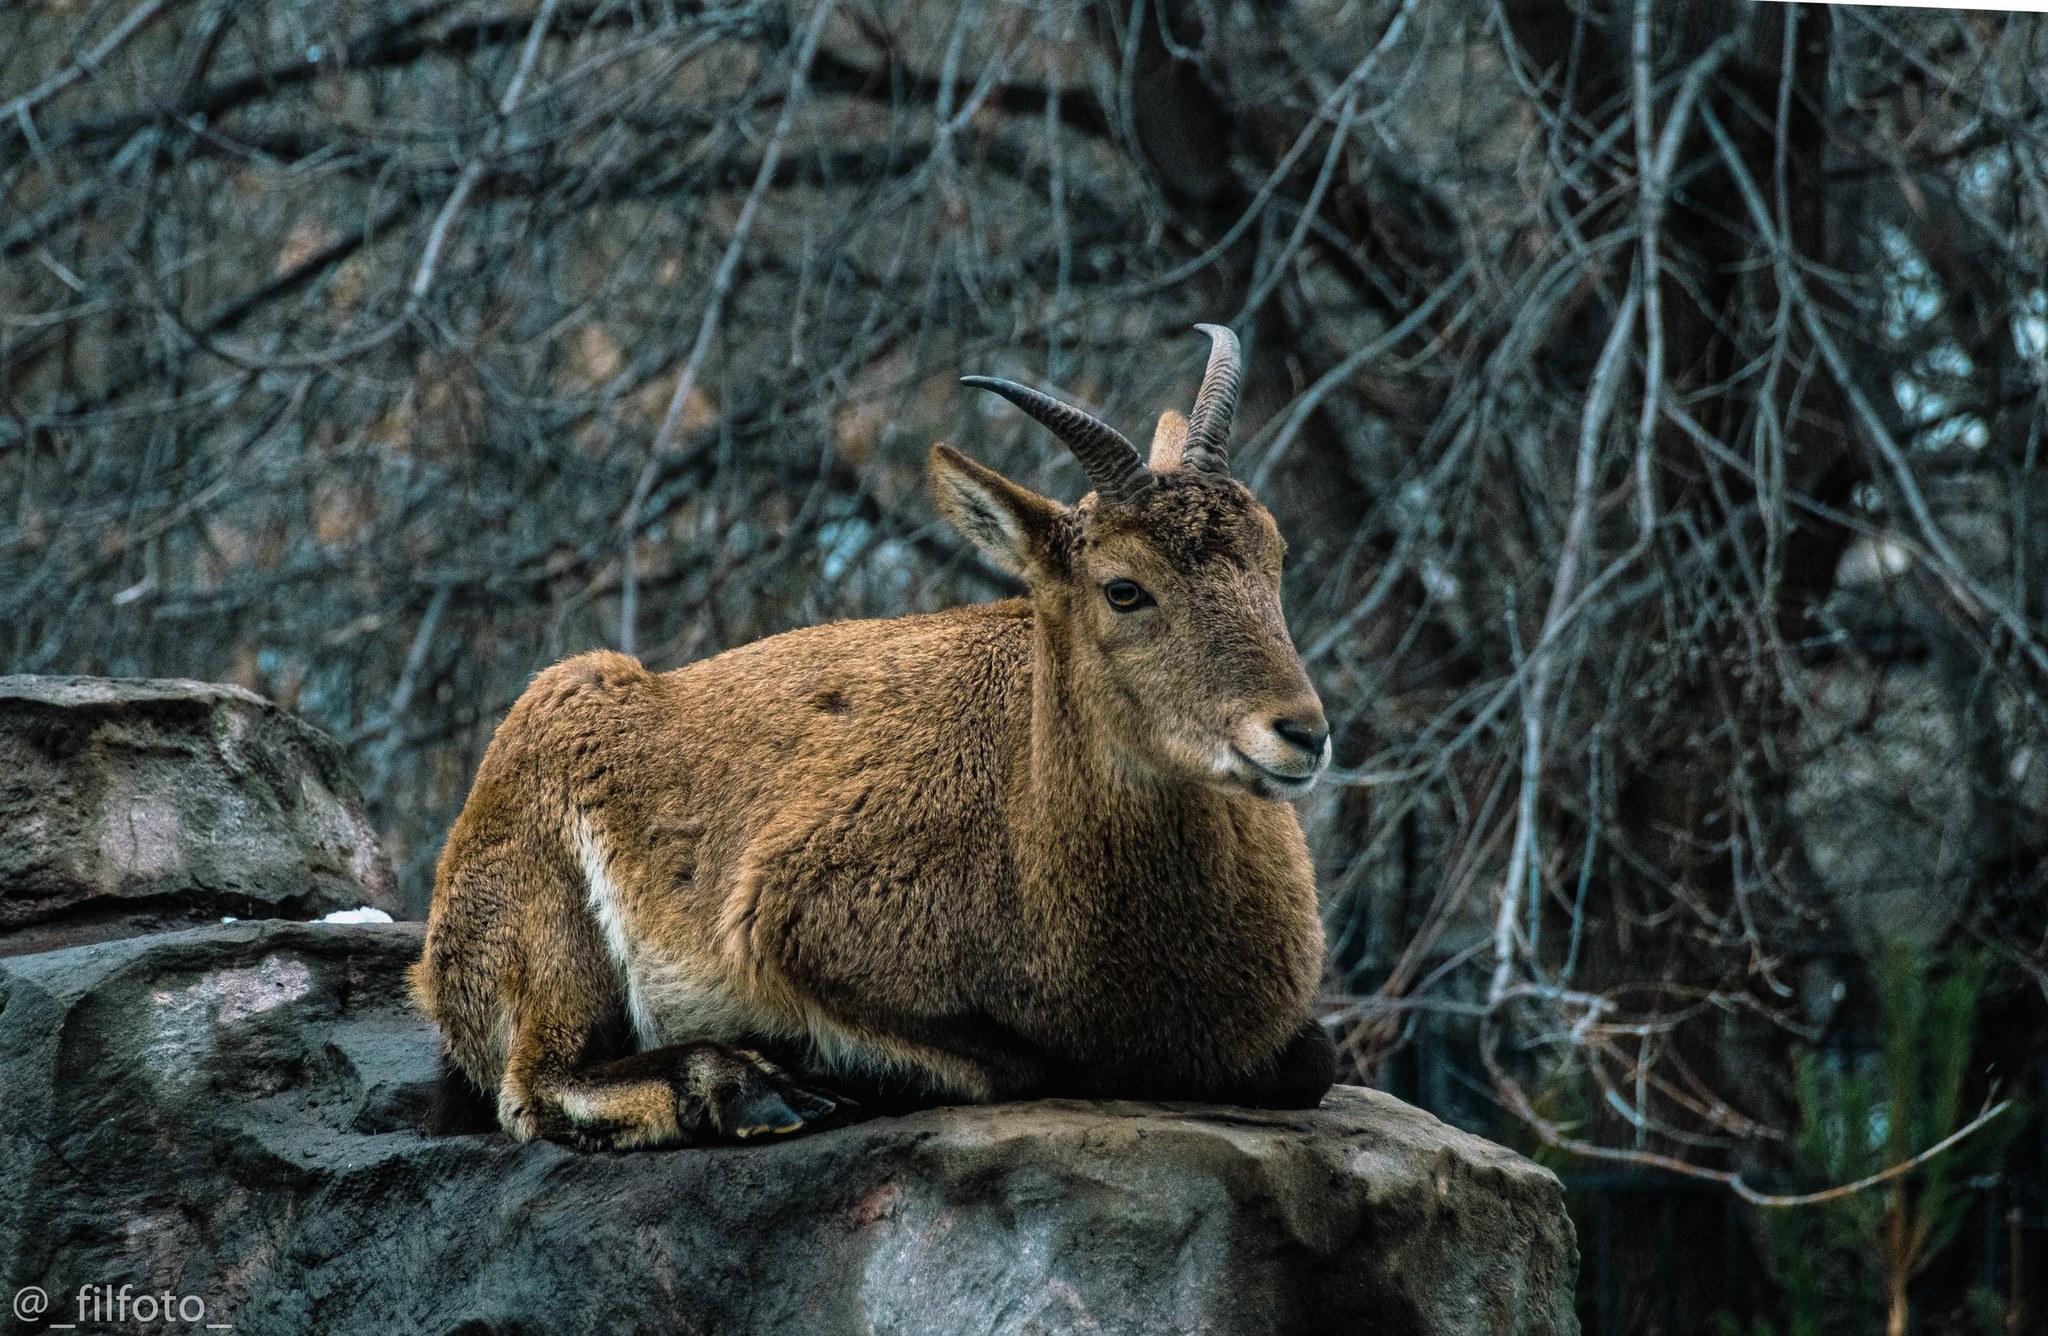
(681, 1095)
(767, 1116)
(760, 1099)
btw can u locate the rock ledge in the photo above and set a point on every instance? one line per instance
(232, 1113)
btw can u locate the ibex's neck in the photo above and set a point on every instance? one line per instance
(1087, 802)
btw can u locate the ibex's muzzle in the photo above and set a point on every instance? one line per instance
(1310, 735)
(1279, 754)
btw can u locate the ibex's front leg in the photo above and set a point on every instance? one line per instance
(570, 1073)
(684, 1094)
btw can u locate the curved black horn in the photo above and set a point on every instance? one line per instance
(1208, 444)
(1112, 462)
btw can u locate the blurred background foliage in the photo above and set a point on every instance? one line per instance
(1652, 395)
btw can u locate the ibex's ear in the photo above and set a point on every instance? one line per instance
(1169, 438)
(1010, 524)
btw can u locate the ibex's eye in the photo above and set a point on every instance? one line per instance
(1126, 595)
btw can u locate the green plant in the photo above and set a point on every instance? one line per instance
(1843, 1261)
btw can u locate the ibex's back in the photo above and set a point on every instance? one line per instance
(1025, 848)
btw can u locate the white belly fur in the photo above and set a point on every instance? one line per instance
(675, 1002)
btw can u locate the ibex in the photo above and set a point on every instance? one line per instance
(1038, 847)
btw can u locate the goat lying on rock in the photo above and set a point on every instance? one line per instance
(1031, 848)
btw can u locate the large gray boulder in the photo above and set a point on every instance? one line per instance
(229, 1116)
(130, 806)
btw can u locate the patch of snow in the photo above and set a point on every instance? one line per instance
(363, 915)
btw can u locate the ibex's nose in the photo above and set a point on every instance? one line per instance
(1309, 734)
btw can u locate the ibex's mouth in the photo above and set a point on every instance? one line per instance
(1267, 782)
